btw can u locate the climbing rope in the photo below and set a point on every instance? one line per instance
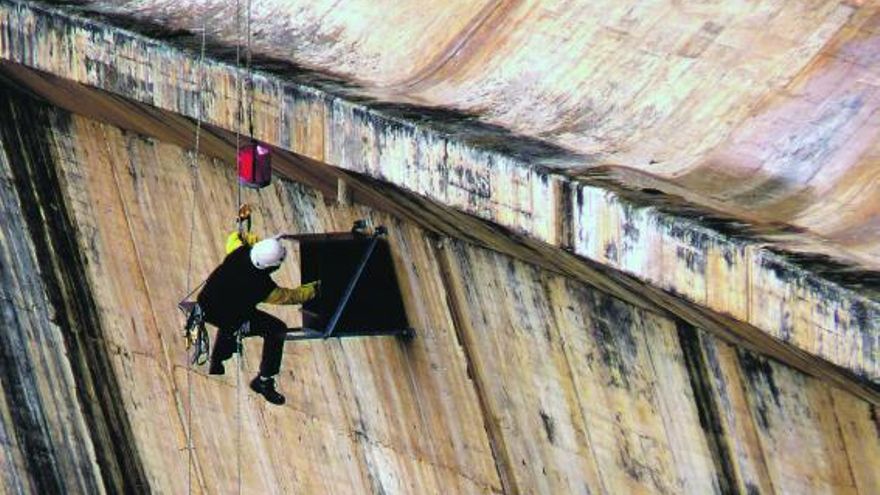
(240, 116)
(195, 189)
(251, 94)
(238, 89)
(194, 170)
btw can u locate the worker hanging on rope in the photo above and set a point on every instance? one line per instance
(229, 301)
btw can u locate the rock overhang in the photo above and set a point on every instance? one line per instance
(774, 280)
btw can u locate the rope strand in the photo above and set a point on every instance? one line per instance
(238, 374)
(194, 169)
(251, 90)
(250, 79)
(238, 90)
(240, 116)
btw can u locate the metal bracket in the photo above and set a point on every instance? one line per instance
(311, 334)
(352, 283)
(195, 333)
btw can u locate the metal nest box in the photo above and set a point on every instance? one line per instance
(360, 295)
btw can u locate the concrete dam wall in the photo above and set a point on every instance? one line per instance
(773, 286)
(519, 381)
(636, 240)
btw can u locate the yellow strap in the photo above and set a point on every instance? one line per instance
(233, 241)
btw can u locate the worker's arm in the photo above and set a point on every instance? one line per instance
(303, 293)
(236, 240)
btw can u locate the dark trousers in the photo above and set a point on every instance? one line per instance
(263, 324)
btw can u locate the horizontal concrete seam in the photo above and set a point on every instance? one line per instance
(607, 199)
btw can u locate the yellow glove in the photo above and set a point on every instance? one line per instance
(234, 241)
(310, 290)
(299, 295)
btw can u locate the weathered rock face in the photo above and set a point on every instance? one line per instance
(519, 381)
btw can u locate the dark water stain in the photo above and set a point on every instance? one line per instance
(612, 327)
(611, 251)
(728, 256)
(863, 316)
(759, 373)
(630, 230)
(700, 375)
(875, 418)
(695, 238)
(693, 260)
(786, 326)
(845, 274)
(549, 426)
(53, 232)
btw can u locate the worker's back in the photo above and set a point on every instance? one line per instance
(234, 288)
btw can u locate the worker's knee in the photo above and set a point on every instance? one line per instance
(274, 338)
(268, 325)
(276, 327)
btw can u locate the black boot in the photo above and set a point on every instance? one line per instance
(216, 368)
(266, 388)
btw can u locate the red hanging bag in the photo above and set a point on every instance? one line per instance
(254, 166)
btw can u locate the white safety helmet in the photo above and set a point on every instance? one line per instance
(268, 253)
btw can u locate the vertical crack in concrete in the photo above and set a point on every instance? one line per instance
(843, 438)
(493, 431)
(63, 272)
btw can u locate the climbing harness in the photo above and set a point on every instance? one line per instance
(197, 341)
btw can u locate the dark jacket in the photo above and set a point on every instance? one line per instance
(234, 289)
